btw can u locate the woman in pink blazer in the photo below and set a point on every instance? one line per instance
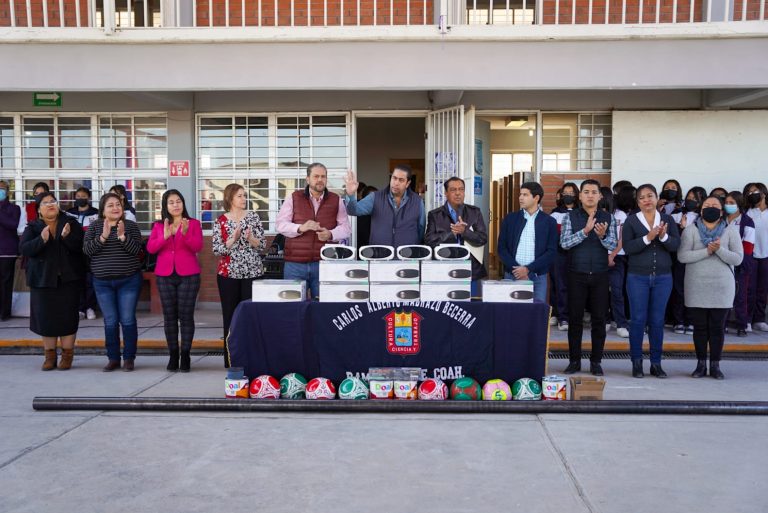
(177, 239)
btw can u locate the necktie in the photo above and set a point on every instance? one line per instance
(455, 220)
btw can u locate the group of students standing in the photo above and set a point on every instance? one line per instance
(687, 260)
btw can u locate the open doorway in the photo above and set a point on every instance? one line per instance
(381, 143)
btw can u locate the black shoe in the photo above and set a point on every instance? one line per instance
(173, 360)
(714, 370)
(595, 369)
(701, 369)
(185, 361)
(637, 369)
(657, 371)
(741, 333)
(573, 368)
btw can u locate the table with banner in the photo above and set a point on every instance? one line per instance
(445, 339)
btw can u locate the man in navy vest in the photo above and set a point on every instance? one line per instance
(457, 223)
(397, 213)
(589, 234)
(528, 241)
(308, 219)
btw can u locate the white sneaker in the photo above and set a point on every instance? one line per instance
(608, 327)
(553, 321)
(82, 315)
(622, 332)
(587, 317)
(562, 325)
(749, 327)
(761, 326)
(90, 314)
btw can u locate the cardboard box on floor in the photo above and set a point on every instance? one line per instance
(587, 388)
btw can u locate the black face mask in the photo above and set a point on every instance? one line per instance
(754, 198)
(81, 202)
(691, 205)
(711, 214)
(568, 199)
(669, 194)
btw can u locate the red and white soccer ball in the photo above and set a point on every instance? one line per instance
(265, 387)
(433, 389)
(320, 388)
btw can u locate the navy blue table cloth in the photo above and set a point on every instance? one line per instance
(336, 340)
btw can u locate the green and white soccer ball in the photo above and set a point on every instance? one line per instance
(293, 386)
(526, 389)
(353, 388)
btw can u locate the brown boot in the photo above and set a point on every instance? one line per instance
(66, 359)
(50, 360)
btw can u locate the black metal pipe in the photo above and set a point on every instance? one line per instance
(373, 406)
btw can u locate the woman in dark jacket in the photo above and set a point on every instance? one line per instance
(55, 273)
(648, 239)
(9, 249)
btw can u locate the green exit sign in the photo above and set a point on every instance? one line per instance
(47, 99)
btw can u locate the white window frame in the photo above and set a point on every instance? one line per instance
(272, 172)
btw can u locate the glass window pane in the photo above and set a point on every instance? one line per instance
(7, 154)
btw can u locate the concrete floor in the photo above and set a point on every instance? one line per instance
(117, 461)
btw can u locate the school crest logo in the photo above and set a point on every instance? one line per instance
(403, 332)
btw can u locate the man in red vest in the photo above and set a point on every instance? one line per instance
(309, 219)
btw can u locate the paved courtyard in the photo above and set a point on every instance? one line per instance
(200, 461)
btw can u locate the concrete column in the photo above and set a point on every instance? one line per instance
(181, 146)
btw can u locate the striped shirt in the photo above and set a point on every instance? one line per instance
(113, 259)
(568, 239)
(526, 246)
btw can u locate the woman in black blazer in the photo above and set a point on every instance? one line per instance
(649, 238)
(55, 274)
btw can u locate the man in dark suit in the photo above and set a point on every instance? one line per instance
(457, 223)
(528, 241)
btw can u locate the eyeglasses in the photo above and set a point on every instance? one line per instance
(48, 203)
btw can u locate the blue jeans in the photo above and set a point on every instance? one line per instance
(310, 272)
(539, 285)
(648, 296)
(117, 300)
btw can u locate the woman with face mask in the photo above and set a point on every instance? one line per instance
(569, 195)
(734, 208)
(684, 216)
(10, 214)
(710, 248)
(755, 195)
(671, 197)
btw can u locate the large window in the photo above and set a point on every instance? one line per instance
(577, 142)
(268, 155)
(94, 151)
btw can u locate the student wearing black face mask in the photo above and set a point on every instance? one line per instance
(671, 197)
(710, 248)
(756, 194)
(684, 216)
(85, 213)
(569, 195)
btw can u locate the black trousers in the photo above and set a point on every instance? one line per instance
(231, 292)
(587, 289)
(709, 327)
(7, 273)
(178, 295)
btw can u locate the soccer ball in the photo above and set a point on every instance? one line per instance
(320, 388)
(353, 388)
(265, 387)
(526, 389)
(433, 389)
(465, 389)
(497, 390)
(292, 386)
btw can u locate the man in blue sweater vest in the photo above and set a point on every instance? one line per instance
(590, 234)
(528, 241)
